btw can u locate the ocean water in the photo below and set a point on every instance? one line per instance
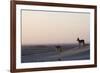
(46, 53)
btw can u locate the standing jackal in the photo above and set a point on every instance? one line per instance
(81, 42)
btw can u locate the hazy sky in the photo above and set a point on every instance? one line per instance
(45, 27)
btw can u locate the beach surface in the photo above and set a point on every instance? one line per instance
(46, 53)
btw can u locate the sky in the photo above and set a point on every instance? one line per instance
(48, 27)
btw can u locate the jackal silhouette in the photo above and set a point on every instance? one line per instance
(81, 42)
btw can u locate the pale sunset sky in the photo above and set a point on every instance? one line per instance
(47, 27)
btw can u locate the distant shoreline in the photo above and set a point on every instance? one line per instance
(54, 44)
